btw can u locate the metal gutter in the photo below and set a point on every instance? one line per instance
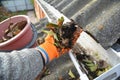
(82, 75)
(85, 40)
(38, 2)
(51, 10)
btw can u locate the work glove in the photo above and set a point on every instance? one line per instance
(48, 49)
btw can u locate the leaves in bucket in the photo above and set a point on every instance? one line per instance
(12, 30)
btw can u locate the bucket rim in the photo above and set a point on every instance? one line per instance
(31, 43)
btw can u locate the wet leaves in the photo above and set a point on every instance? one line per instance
(65, 35)
(91, 65)
(94, 67)
(71, 74)
(12, 30)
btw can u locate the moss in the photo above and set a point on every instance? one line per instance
(4, 14)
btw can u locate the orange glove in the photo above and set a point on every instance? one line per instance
(48, 49)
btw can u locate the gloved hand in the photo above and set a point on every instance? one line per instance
(48, 49)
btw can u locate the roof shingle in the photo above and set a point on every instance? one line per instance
(99, 17)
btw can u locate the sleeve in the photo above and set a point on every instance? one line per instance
(25, 64)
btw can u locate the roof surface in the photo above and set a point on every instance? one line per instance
(100, 18)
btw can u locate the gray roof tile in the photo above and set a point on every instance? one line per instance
(90, 11)
(73, 7)
(49, 1)
(106, 29)
(62, 4)
(55, 2)
(99, 17)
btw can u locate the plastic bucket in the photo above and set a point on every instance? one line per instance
(34, 38)
(26, 38)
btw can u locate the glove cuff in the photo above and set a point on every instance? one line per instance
(44, 54)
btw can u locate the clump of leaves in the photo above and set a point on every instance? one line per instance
(63, 33)
(94, 67)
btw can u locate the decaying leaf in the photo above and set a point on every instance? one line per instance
(99, 73)
(51, 33)
(47, 72)
(60, 21)
(93, 68)
(87, 61)
(71, 74)
(90, 64)
(102, 64)
(51, 25)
